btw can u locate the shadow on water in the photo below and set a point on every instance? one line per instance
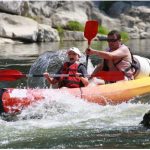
(142, 99)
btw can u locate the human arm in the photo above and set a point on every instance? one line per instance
(84, 80)
(50, 79)
(117, 54)
(83, 71)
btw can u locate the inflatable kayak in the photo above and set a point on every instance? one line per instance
(14, 100)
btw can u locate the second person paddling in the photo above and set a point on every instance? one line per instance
(116, 58)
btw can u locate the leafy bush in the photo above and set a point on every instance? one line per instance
(60, 31)
(74, 26)
(103, 30)
(124, 36)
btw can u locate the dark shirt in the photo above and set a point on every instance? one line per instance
(82, 69)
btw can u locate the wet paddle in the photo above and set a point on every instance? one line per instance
(90, 31)
(12, 75)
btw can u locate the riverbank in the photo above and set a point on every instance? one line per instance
(38, 21)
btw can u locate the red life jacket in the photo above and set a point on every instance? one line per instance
(70, 81)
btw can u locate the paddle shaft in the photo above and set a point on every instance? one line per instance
(108, 76)
(12, 75)
(37, 75)
(41, 75)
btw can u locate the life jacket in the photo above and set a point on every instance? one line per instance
(70, 81)
(133, 66)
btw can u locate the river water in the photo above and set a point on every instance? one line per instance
(68, 122)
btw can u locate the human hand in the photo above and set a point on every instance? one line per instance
(78, 74)
(46, 75)
(89, 51)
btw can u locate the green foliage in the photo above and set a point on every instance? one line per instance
(74, 26)
(60, 32)
(124, 36)
(103, 30)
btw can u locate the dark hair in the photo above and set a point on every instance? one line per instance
(115, 32)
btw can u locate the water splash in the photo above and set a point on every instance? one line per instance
(63, 115)
(50, 61)
(62, 109)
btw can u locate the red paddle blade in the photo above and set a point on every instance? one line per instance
(10, 75)
(90, 30)
(110, 75)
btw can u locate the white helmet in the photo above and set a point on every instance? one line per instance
(76, 50)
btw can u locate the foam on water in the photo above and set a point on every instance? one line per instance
(21, 94)
(62, 109)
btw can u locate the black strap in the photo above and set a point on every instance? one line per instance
(135, 64)
(105, 66)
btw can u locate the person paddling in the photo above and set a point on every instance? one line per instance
(72, 67)
(116, 58)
